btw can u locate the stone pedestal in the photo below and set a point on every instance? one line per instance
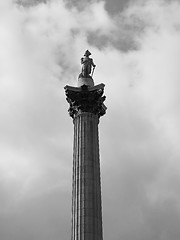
(85, 81)
(86, 107)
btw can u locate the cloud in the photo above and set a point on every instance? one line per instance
(39, 55)
(137, 55)
(145, 141)
(37, 60)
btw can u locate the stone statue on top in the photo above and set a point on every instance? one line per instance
(87, 64)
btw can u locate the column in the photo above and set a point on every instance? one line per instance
(86, 107)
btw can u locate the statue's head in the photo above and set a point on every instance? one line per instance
(87, 53)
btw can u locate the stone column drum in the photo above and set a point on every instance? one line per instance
(86, 107)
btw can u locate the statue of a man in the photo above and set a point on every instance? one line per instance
(87, 64)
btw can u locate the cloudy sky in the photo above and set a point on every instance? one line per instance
(136, 47)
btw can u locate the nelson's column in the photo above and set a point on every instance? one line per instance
(86, 107)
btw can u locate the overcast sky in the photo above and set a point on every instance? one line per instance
(136, 47)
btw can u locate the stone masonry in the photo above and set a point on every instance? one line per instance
(86, 107)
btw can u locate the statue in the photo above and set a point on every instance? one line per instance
(87, 64)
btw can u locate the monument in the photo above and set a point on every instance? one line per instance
(86, 108)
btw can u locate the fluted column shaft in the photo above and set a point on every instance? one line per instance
(86, 195)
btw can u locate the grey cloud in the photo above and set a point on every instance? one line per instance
(138, 135)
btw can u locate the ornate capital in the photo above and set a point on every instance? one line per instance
(86, 99)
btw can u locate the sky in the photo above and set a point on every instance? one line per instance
(136, 47)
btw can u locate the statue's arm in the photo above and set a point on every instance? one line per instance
(92, 63)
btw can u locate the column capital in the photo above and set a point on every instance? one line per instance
(85, 99)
